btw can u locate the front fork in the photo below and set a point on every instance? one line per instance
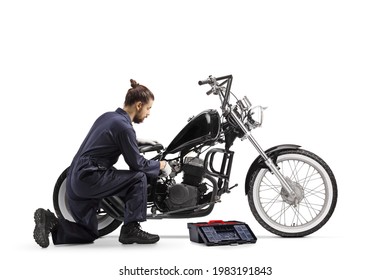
(268, 161)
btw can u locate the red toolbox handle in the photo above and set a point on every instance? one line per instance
(211, 222)
(216, 222)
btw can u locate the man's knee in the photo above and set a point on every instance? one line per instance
(141, 178)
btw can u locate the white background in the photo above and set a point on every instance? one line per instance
(322, 68)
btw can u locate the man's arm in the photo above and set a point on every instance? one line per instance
(127, 142)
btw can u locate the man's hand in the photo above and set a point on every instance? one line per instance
(165, 169)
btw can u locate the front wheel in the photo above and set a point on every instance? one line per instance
(315, 195)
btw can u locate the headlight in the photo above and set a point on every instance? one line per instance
(255, 117)
(252, 117)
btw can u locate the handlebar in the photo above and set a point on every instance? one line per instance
(241, 111)
(217, 88)
(211, 80)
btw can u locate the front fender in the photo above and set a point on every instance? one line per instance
(259, 163)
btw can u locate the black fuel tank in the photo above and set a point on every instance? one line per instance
(200, 129)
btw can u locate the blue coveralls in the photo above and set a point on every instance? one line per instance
(91, 178)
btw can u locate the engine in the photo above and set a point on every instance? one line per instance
(181, 196)
(191, 190)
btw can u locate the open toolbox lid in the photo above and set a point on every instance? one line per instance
(218, 232)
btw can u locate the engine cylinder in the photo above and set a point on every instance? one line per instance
(194, 171)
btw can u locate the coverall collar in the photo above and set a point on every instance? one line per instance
(125, 114)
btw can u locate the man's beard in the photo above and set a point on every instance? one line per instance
(137, 119)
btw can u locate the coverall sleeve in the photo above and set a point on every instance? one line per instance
(127, 142)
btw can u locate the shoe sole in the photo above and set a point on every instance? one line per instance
(138, 241)
(41, 237)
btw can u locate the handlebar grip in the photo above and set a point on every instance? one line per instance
(204, 82)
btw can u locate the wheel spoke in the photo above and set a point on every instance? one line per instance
(270, 185)
(308, 179)
(295, 220)
(277, 215)
(298, 215)
(271, 202)
(294, 170)
(310, 207)
(315, 192)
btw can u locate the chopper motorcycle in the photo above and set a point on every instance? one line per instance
(291, 192)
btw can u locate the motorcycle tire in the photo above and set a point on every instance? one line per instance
(315, 186)
(106, 223)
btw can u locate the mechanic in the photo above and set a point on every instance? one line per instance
(91, 178)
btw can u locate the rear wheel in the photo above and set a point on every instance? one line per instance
(315, 200)
(106, 223)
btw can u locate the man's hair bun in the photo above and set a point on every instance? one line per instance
(133, 83)
(136, 93)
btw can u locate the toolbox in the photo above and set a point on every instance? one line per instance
(218, 232)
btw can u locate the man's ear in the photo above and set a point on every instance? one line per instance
(138, 105)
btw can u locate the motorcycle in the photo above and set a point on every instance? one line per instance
(291, 192)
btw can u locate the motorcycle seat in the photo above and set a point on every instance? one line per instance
(145, 148)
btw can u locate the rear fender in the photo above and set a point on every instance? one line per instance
(259, 163)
